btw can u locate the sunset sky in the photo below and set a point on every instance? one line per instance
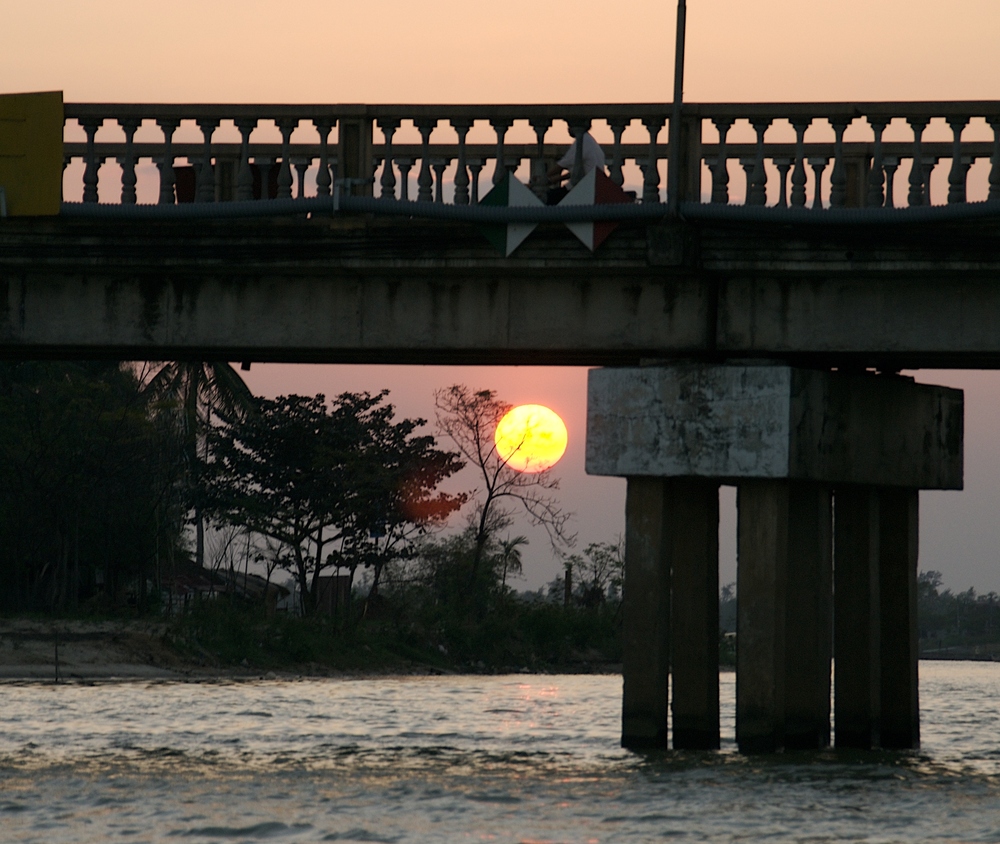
(454, 51)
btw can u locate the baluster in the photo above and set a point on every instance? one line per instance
(539, 182)
(748, 165)
(800, 124)
(959, 170)
(578, 128)
(90, 173)
(388, 125)
(475, 167)
(376, 161)
(206, 175)
(651, 172)
(244, 177)
(891, 165)
(286, 125)
(166, 164)
(758, 181)
(720, 172)
(323, 180)
(500, 126)
(263, 164)
(928, 165)
(404, 165)
(300, 165)
(425, 181)
(127, 160)
(783, 165)
(818, 165)
(876, 198)
(956, 177)
(617, 158)
(838, 178)
(439, 165)
(994, 193)
(916, 195)
(461, 127)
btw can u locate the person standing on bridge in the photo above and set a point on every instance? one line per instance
(591, 157)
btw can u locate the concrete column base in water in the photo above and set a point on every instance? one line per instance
(646, 615)
(784, 623)
(900, 711)
(671, 613)
(857, 617)
(785, 436)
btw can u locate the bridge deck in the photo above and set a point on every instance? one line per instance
(357, 289)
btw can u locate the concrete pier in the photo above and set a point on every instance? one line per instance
(784, 621)
(694, 558)
(671, 614)
(857, 618)
(900, 712)
(787, 438)
(646, 619)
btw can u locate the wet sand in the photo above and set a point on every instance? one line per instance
(89, 650)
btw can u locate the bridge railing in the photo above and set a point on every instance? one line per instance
(808, 155)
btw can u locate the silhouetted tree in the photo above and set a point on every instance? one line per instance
(341, 485)
(469, 418)
(195, 390)
(90, 484)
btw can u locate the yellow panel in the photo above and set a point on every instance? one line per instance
(31, 152)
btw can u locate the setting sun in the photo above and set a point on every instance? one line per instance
(531, 438)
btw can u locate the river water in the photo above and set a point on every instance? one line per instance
(519, 758)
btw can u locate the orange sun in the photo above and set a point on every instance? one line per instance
(531, 438)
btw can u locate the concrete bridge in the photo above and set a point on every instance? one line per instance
(754, 343)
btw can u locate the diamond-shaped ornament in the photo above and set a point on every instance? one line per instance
(508, 193)
(594, 189)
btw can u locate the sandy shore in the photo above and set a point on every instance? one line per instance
(135, 650)
(88, 650)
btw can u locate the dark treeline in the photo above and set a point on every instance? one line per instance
(113, 474)
(950, 620)
(123, 482)
(92, 476)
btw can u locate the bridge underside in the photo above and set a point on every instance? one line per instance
(357, 289)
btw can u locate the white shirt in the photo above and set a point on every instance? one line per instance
(593, 155)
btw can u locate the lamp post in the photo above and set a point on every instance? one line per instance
(673, 166)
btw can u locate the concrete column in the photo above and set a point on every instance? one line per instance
(646, 616)
(857, 686)
(784, 615)
(671, 613)
(898, 524)
(693, 548)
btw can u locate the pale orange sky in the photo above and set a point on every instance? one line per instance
(400, 51)
(515, 51)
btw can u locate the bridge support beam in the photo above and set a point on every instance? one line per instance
(646, 614)
(671, 613)
(694, 546)
(900, 713)
(784, 616)
(786, 437)
(857, 618)
(876, 618)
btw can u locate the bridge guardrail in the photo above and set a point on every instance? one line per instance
(856, 154)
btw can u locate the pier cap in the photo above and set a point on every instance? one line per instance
(734, 422)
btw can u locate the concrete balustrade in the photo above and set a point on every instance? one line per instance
(355, 145)
(801, 446)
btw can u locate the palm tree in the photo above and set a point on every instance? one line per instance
(196, 390)
(511, 557)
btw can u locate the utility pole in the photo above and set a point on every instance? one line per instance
(674, 164)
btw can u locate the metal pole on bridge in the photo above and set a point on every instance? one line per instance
(673, 166)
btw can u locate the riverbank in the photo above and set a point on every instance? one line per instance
(77, 649)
